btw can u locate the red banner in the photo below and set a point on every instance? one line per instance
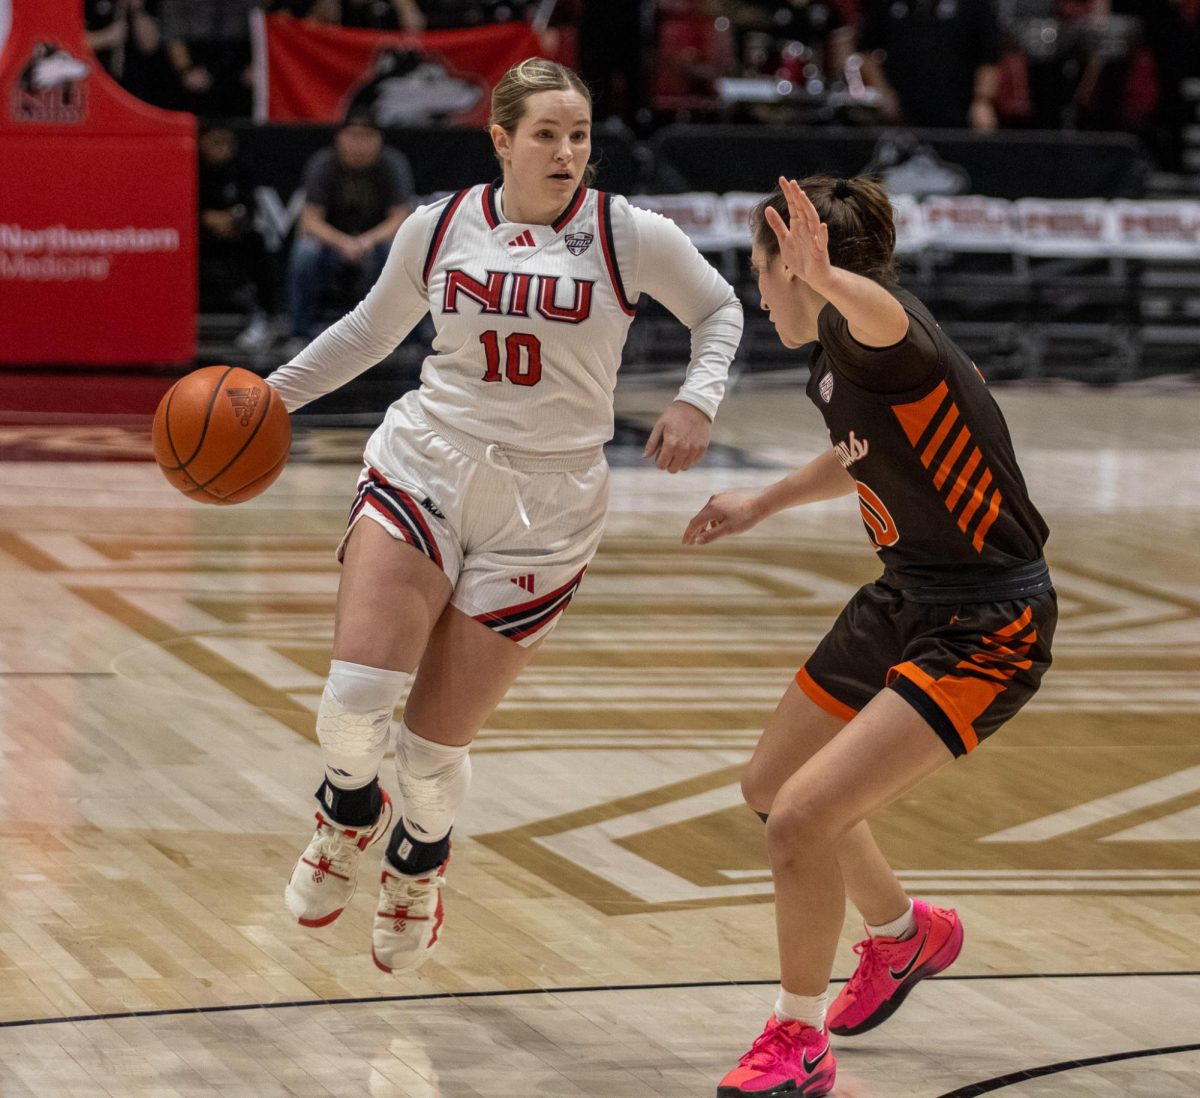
(319, 73)
(97, 206)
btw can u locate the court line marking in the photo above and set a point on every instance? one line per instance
(1015, 1077)
(498, 993)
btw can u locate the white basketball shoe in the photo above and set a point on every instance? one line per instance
(408, 920)
(327, 872)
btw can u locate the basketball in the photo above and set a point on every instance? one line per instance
(221, 435)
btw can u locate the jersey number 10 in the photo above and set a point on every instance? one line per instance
(522, 358)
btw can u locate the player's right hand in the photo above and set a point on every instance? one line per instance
(725, 513)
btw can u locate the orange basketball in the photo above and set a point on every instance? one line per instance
(221, 435)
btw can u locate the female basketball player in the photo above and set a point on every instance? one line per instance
(921, 665)
(486, 488)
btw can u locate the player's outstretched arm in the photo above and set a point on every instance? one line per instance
(874, 316)
(737, 511)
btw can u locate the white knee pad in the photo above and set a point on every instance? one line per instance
(354, 719)
(433, 782)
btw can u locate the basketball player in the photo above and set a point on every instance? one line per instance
(923, 664)
(485, 490)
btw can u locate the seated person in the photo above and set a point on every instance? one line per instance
(357, 194)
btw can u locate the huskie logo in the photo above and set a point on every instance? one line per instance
(908, 167)
(852, 450)
(51, 87)
(410, 88)
(578, 243)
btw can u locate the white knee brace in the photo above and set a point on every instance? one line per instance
(354, 719)
(433, 783)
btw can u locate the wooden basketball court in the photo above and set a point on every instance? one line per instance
(609, 923)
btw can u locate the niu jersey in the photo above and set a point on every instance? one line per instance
(530, 320)
(939, 489)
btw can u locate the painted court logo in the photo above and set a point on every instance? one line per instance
(578, 243)
(51, 88)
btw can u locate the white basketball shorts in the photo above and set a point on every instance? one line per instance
(514, 531)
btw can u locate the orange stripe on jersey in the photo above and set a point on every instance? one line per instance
(823, 698)
(985, 524)
(963, 478)
(915, 417)
(951, 457)
(939, 436)
(975, 500)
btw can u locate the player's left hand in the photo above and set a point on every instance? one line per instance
(804, 240)
(680, 437)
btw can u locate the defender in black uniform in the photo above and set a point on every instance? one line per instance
(921, 665)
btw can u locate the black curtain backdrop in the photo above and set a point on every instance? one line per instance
(1029, 164)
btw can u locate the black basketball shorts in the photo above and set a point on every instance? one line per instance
(965, 667)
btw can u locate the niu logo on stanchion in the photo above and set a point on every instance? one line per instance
(52, 87)
(244, 402)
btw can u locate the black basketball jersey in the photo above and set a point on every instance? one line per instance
(940, 492)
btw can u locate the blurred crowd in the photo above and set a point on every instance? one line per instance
(1070, 64)
(979, 64)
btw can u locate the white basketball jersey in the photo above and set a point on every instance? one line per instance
(530, 320)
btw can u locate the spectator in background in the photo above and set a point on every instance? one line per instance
(935, 61)
(127, 40)
(208, 44)
(1159, 64)
(233, 255)
(106, 33)
(357, 194)
(612, 34)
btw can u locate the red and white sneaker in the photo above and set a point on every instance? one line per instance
(327, 872)
(788, 1058)
(409, 918)
(888, 969)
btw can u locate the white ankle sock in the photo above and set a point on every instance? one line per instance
(903, 927)
(809, 1009)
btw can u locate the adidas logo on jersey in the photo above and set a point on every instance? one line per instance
(525, 240)
(525, 583)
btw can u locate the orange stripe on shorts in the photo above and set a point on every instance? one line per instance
(822, 697)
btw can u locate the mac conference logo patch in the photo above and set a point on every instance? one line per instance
(578, 243)
(825, 387)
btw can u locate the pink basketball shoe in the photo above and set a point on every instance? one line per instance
(888, 969)
(787, 1058)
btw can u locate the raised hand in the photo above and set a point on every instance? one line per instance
(804, 243)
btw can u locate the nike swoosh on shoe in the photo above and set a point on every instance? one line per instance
(898, 976)
(811, 1065)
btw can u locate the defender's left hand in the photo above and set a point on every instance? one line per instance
(804, 240)
(680, 437)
